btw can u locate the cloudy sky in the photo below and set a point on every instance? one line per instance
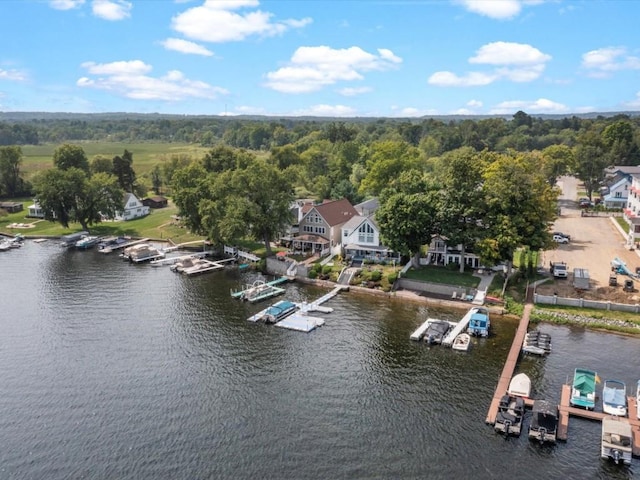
(387, 58)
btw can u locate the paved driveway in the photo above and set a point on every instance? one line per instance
(595, 241)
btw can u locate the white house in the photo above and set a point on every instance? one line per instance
(133, 208)
(361, 241)
(440, 253)
(617, 195)
(632, 210)
(35, 211)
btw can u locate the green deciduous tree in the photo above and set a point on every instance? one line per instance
(11, 182)
(70, 156)
(408, 214)
(123, 170)
(69, 195)
(386, 161)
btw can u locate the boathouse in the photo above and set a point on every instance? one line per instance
(157, 201)
(11, 207)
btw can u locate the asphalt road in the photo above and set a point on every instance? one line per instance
(595, 241)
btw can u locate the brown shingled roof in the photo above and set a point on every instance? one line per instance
(336, 212)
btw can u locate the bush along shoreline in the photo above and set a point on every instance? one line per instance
(598, 323)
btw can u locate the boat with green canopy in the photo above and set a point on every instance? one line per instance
(583, 389)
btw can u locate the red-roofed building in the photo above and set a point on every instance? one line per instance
(320, 227)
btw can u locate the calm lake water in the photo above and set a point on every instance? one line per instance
(120, 371)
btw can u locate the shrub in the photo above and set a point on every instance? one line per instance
(392, 277)
(327, 269)
(313, 274)
(376, 275)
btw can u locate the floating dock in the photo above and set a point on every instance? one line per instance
(460, 327)
(565, 410)
(418, 334)
(260, 290)
(122, 246)
(510, 364)
(300, 322)
(299, 319)
(171, 260)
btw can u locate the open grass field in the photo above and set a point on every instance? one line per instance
(145, 155)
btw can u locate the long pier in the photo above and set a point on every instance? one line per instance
(510, 364)
(460, 327)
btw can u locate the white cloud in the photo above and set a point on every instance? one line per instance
(326, 111)
(497, 9)
(509, 53)
(474, 104)
(352, 92)
(14, 75)
(542, 105)
(244, 110)
(112, 9)
(65, 4)
(517, 62)
(601, 63)
(185, 46)
(216, 21)
(312, 68)
(129, 79)
(633, 104)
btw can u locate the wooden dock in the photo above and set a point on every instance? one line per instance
(565, 410)
(510, 364)
(260, 290)
(123, 245)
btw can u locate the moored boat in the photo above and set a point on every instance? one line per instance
(510, 414)
(278, 311)
(479, 322)
(520, 386)
(614, 398)
(544, 422)
(638, 400)
(462, 342)
(616, 440)
(583, 389)
(142, 252)
(537, 343)
(436, 331)
(87, 241)
(71, 239)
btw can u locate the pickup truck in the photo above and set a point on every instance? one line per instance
(559, 270)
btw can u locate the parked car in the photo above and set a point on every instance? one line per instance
(585, 203)
(560, 234)
(560, 239)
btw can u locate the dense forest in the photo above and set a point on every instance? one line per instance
(486, 183)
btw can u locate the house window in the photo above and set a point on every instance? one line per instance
(365, 233)
(307, 228)
(345, 233)
(315, 218)
(320, 230)
(618, 194)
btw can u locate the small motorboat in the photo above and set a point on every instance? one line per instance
(462, 342)
(436, 331)
(616, 440)
(520, 386)
(479, 323)
(614, 398)
(510, 414)
(544, 422)
(583, 389)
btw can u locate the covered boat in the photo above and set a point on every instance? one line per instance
(87, 241)
(583, 389)
(278, 311)
(520, 386)
(436, 331)
(479, 323)
(544, 422)
(462, 342)
(614, 398)
(616, 440)
(509, 417)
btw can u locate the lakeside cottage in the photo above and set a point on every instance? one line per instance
(133, 208)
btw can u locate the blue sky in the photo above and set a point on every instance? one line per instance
(393, 58)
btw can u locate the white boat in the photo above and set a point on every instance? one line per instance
(142, 252)
(462, 342)
(71, 239)
(616, 440)
(87, 241)
(638, 400)
(520, 386)
(614, 398)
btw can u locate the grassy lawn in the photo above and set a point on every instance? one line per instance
(157, 225)
(431, 273)
(145, 155)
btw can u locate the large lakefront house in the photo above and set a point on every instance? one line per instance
(133, 208)
(337, 228)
